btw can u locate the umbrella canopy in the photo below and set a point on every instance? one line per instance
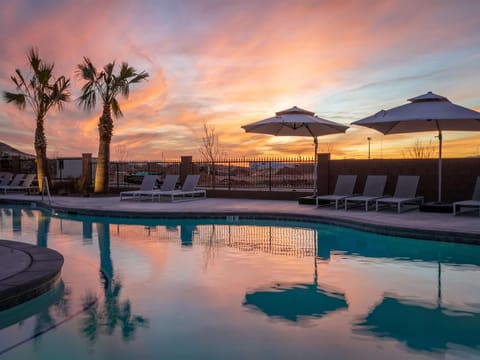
(427, 112)
(421, 327)
(295, 302)
(297, 122)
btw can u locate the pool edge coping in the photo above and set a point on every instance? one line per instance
(384, 229)
(40, 276)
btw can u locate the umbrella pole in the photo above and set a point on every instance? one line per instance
(315, 275)
(439, 164)
(315, 164)
(439, 285)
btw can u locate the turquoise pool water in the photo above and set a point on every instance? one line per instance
(241, 289)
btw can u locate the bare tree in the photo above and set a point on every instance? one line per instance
(420, 150)
(122, 152)
(210, 149)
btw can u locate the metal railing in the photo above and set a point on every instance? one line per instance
(268, 174)
(256, 173)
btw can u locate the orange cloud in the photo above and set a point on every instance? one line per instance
(240, 62)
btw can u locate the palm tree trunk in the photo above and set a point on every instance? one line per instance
(106, 263)
(41, 153)
(105, 129)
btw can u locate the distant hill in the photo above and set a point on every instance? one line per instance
(8, 151)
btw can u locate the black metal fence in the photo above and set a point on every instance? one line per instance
(256, 173)
(131, 173)
(228, 174)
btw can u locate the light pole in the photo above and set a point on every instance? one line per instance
(369, 139)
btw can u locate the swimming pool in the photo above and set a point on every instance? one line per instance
(237, 289)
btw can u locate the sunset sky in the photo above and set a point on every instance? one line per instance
(228, 63)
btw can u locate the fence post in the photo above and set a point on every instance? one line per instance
(186, 167)
(87, 168)
(270, 174)
(229, 176)
(118, 175)
(323, 173)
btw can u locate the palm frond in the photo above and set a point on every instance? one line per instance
(15, 98)
(126, 71)
(108, 69)
(139, 77)
(87, 70)
(60, 92)
(116, 108)
(20, 83)
(88, 99)
(34, 59)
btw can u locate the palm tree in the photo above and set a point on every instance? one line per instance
(41, 91)
(106, 85)
(104, 317)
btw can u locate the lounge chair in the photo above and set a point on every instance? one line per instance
(343, 189)
(168, 184)
(473, 203)
(148, 184)
(373, 190)
(5, 179)
(405, 194)
(17, 181)
(189, 190)
(24, 185)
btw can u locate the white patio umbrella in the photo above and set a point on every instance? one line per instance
(297, 122)
(427, 112)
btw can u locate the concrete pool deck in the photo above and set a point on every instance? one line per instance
(20, 263)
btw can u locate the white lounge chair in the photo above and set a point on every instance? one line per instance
(17, 180)
(5, 179)
(405, 194)
(343, 189)
(148, 184)
(373, 190)
(168, 184)
(473, 203)
(189, 190)
(21, 182)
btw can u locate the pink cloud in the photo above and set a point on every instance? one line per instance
(240, 62)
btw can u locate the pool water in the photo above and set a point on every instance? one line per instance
(241, 289)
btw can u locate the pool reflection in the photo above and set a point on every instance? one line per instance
(104, 316)
(174, 278)
(295, 302)
(43, 227)
(421, 326)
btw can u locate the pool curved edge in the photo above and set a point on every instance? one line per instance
(384, 229)
(40, 276)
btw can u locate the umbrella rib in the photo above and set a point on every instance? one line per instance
(390, 127)
(309, 130)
